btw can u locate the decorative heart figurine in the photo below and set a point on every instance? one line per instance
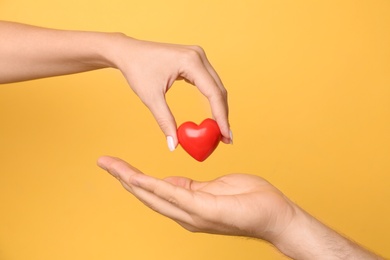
(199, 141)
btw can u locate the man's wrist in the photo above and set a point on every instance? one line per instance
(307, 238)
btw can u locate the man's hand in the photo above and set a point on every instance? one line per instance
(237, 205)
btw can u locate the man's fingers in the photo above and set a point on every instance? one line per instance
(117, 167)
(125, 173)
(160, 205)
(180, 197)
(186, 183)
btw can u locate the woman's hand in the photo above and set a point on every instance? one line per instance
(151, 68)
(28, 52)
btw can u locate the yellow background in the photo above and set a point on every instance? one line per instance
(309, 93)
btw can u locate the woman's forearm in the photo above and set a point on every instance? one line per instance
(29, 52)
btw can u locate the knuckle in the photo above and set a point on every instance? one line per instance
(224, 93)
(192, 229)
(173, 201)
(198, 49)
(113, 168)
(191, 56)
(164, 123)
(152, 206)
(203, 224)
(219, 96)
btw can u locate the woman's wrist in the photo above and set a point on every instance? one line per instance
(104, 48)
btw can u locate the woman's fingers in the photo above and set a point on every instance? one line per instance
(220, 116)
(165, 119)
(197, 74)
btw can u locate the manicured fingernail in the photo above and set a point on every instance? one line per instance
(231, 136)
(171, 144)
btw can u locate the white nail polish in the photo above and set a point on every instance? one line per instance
(231, 136)
(171, 145)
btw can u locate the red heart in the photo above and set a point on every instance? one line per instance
(199, 141)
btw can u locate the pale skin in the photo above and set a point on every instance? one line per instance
(235, 204)
(29, 52)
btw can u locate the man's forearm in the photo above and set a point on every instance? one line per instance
(308, 238)
(29, 52)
